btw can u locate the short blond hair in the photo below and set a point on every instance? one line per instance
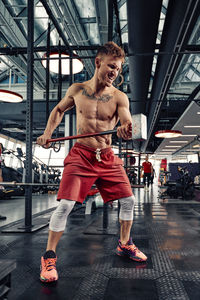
(110, 48)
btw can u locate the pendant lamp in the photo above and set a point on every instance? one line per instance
(9, 96)
(77, 65)
(166, 134)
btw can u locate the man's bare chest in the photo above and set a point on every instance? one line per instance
(101, 107)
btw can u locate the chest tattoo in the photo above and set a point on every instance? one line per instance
(103, 98)
(80, 131)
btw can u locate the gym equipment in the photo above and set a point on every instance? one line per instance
(132, 175)
(41, 173)
(9, 192)
(139, 132)
(182, 187)
(10, 174)
(6, 268)
(13, 188)
(14, 183)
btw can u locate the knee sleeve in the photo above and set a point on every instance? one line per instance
(59, 217)
(126, 208)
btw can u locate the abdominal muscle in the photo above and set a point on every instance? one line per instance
(91, 126)
(95, 142)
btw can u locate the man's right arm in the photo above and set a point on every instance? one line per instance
(57, 114)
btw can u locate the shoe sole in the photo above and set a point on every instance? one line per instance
(135, 259)
(48, 280)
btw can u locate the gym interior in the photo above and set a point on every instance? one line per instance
(45, 47)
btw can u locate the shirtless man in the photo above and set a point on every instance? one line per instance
(99, 107)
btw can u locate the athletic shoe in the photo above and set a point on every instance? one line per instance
(131, 251)
(48, 272)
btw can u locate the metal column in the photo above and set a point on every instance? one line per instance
(71, 79)
(139, 173)
(110, 20)
(47, 72)
(29, 116)
(27, 225)
(59, 81)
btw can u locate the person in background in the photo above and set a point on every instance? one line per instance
(147, 170)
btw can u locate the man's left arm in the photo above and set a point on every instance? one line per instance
(125, 130)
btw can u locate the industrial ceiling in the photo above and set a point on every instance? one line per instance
(161, 71)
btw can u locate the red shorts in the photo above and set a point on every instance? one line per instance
(82, 169)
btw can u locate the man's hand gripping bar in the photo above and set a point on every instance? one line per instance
(139, 131)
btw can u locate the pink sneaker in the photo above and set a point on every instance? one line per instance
(131, 251)
(48, 272)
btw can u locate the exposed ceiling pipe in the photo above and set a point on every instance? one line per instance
(175, 35)
(16, 38)
(55, 22)
(195, 141)
(142, 33)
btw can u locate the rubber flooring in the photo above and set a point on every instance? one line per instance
(166, 231)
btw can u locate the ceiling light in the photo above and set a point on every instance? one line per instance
(196, 146)
(189, 135)
(185, 153)
(192, 126)
(198, 113)
(9, 96)
(13, 129)
(172, 146)
(178, 142)
(77, 65)
(168, 133)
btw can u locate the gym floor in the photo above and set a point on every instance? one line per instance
(167, 231)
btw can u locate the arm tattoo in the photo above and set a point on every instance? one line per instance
(103, 98)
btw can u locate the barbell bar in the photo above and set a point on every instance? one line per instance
(80, 136)
(14, 183)
(139, 131)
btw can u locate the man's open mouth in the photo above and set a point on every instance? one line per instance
(111, 77)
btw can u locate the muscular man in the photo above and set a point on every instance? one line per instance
(99, 107)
